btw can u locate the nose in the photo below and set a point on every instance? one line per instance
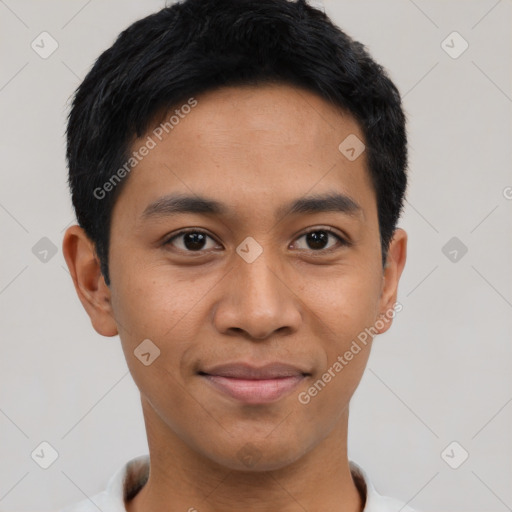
(257, 301)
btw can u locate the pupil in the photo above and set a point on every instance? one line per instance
(194, 241)
(317, 239)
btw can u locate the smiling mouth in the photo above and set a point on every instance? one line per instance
(254, 391)
(251, 385)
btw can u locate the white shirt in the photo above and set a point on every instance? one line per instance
(132, 476)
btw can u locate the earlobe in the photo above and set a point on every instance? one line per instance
(84, 267)
(395, 263)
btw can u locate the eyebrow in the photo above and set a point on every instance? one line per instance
(178, 203)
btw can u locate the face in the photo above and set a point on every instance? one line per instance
(254, 287)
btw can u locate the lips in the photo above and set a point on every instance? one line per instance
(273, 370)
(254, 385)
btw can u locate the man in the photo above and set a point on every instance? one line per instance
(238, 170)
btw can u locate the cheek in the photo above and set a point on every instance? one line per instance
(157, 301)
(344, 301)
(344, 307)
(165, 308)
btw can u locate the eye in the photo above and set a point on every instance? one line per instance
(318, 240)
(191, 241)
(194, 240)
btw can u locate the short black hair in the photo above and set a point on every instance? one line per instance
(196, 46)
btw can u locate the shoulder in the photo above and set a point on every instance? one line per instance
(126, 480)
(374, 501)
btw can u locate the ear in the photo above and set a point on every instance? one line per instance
(395, 262)
(90, 286)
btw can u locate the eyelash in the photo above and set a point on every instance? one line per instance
(342, 241)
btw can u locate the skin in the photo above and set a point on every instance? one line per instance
(254, 149)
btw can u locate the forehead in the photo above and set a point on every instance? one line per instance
(289, 114)
(245, 142)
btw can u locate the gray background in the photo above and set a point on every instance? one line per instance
(441, 374)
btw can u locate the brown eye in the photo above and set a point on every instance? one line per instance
(191, 241)
(321, 240)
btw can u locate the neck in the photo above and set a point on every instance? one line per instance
(187, 481)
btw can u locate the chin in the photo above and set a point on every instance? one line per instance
(258, 455)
